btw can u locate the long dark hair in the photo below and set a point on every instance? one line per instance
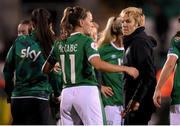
(70, 19)
(41, 21)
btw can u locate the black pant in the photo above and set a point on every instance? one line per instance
(30, 111)
(138, 118)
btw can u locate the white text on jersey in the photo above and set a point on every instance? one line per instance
(30, 54)
(68, 48)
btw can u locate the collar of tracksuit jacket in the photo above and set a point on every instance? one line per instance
(127, 39)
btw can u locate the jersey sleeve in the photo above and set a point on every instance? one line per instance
(8, 72)
(56, 81)
(174, 47)
(91, 49)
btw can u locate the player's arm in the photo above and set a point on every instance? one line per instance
(8, 72)
(95, 60)
(107, 67)
(105, 90)
(166, 71)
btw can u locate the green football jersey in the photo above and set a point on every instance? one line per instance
(55, 79)
(25, 58)
(73, 55)
(175, 50)
(112, 54)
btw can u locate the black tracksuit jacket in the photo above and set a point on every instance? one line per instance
(139, 54)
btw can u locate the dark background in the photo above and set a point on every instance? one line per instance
(161, 23)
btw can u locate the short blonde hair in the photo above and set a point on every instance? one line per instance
(136, 13)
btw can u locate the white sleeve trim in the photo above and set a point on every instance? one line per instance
(90, 57)
(172, 54)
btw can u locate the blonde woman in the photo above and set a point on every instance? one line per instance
(111, 50)
(139, 54)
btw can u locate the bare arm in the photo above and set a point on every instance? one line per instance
(107, 67)
(166, 71)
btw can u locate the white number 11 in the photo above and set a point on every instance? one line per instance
(72, 63)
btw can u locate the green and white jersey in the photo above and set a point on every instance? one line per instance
(175, 50)
(25, 58)
(55, 79)
(112, 54)
(73, 55)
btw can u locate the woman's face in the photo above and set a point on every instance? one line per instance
(23, 29)
(87, 23)
(128, 25)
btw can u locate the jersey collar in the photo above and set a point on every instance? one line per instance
(118, 48)
(75, 33)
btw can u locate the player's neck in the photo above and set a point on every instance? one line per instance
(78, 29)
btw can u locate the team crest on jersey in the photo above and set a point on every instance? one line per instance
(94, 45)
(113, 56)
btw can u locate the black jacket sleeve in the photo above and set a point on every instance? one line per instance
(145, 63)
